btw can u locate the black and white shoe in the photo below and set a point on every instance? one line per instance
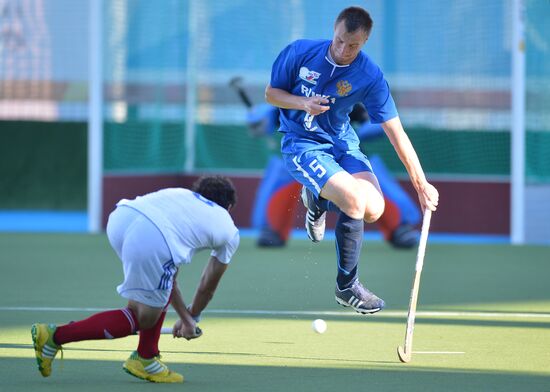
(359, 298)
(315, 217)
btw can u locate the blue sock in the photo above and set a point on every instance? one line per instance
(349, 237)
(327, 205)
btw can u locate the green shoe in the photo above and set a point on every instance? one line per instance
(45, 349)
(153, 369)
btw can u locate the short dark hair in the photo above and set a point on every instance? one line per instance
(218, 189)
(355, 18)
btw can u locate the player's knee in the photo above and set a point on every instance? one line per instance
(355, 205)
(146, 316)
(374, 210)
(147, 321)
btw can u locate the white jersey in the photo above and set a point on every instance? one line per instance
(189, 223)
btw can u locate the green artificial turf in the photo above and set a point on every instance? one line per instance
(483, 321)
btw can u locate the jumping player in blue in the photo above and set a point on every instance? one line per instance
(276, 204)
(316, 83)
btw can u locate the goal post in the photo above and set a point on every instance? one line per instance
(95, 118)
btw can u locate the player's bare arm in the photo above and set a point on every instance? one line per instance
(185, 327)
(427, 193)
(210, 279)
(313, 105)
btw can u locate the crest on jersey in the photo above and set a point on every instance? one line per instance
(343, 87)
(309, 76)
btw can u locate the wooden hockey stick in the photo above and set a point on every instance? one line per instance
(405, 354)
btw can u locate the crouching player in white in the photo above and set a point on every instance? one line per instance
(153, 235)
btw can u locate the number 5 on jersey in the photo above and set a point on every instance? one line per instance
(317, 168)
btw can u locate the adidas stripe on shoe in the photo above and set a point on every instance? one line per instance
(315, 220)
(45, 349)
(153, 369)
(359, 298)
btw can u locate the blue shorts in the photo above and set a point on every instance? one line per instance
(312, 163)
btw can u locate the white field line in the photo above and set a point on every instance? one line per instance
(439, 352)
(383, 314)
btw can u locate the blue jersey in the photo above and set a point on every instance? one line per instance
(305, 68)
